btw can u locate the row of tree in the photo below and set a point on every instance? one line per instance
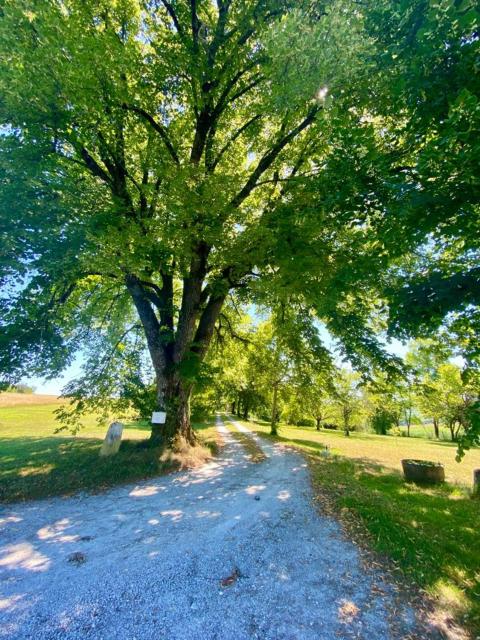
(259, 370)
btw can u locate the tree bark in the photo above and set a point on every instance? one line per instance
(346, 421)
(169, 349)
(274, 421)
(175, 395)
(318, 420)
(451, 426)
(436, 428)
(246, 409)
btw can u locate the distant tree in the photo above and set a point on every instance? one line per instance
(21, 388)
(452, 399)
(425, 357)
(382, 403)
(311, 396)
(382, 420)
(348, 397)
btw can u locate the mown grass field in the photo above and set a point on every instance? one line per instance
(385, 450)
(36, 463)
(430, 534)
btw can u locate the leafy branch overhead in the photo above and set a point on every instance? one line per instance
(160, 159)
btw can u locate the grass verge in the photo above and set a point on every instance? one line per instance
(254, 452)
(37, 463)
(429, 534)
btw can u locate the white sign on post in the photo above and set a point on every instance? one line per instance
(159, 417)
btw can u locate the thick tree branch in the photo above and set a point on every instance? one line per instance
(269, 157)
(159, 128)
(229, 142)
(195, 23)
(173, 16)
(93, 165)
(222, 100)
(206, 325)
(223, 8)
(149, 321)
(191, 297)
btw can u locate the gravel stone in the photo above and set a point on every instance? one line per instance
(159, 549)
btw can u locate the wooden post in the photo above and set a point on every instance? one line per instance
(476, 483)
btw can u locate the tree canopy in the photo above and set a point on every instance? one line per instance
(159, 158)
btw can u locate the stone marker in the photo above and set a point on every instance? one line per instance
(112, 441)
(476, 483)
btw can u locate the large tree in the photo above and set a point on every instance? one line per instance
(144, 147)
(158, 155)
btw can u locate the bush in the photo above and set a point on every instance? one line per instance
(382, 420)
(21, 388)
(329, 425)
(201, 412)
(305, 422)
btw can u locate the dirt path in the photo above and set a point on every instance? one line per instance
(231, 550)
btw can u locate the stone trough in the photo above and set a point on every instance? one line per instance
(423, 471)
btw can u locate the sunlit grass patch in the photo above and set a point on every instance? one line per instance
(387, 451)
(209, 436)
(35, 471)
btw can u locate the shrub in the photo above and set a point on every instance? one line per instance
(382, 420)
(329, 425)
(201, 412)
(305, 422)
(21, 388)
(396, 431)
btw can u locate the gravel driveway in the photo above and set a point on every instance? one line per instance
(231, 550)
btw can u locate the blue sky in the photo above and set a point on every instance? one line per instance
(54, 387)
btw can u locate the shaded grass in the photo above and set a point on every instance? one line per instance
(37, 463)
(254, 452)
(209, 436)
(429, 533)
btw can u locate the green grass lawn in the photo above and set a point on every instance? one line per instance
(426, 432)
(430, 533)
(36, 463)
(385, 450)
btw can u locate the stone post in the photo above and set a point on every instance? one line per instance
(476, 483)
(112, 441)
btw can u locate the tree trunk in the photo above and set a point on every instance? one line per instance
(318, 420)
(273, 426)
(436, 428)
(233, 407)
(169, 348)
(237, 406)
(346, 421)
(173, 398)
(452, 430)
